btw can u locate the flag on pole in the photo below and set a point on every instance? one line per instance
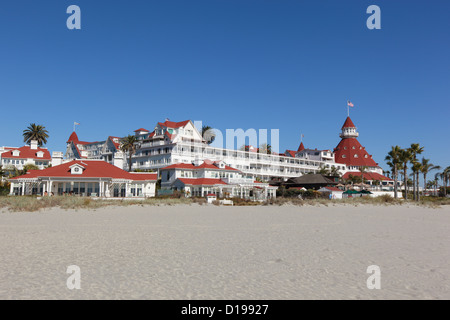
(350, 104)
(76, 124)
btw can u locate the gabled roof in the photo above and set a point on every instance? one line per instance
(116, 144)
(92, 169)
(173, 125)
(348, 123)
(347, 149)
(367, 175)
(74, 138)
(308, 179)
(201, 181)
(290, 153)
(169, 135)
(27, 153)
(141, 129)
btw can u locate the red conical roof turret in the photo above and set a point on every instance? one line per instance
(73, 138)
(348, 123)
(301, 147)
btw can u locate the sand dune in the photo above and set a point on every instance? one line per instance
(208, 252)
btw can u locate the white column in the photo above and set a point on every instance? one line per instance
(11, 191)
(23, 188)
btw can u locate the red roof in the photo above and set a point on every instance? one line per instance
(348, 123)
(367, 175)
(169, 135)
(190, 166)
(201, 181)
(27, 153)
(116, 144)
(291, 153)
(141, 129)
(301, 147)
(92, 169)
(347, 149)
(74, 138)
(174, 125)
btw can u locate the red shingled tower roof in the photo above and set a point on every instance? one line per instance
(350, 152)
(348, 123)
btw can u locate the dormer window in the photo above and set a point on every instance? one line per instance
(356, 156)
(344, 156)
(76, 169)
(40, 154)
(16, 153)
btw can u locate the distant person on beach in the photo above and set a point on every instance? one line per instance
(45, 193)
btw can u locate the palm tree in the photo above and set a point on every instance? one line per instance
(415, 149)
(208, 134)
(265, 148)
(426, 168)
(393, 159)
(436, 182)
(323, 171)
(129, 144)
(416, 168)
(363, 170)
(405, 157)
(35, 132)
(445, 175)
(335, 172)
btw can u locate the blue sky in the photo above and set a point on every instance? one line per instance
(288, 65)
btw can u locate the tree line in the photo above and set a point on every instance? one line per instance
(400, 160)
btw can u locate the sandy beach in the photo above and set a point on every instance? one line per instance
(209, 252)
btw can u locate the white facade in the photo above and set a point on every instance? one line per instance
(180, 142)
(203, 178)
(18, 157)
(184, 144)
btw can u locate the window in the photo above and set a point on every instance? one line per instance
(344, 156)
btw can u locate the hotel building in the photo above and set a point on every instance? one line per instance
(180, 142)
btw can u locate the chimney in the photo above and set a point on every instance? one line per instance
(33, 145)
